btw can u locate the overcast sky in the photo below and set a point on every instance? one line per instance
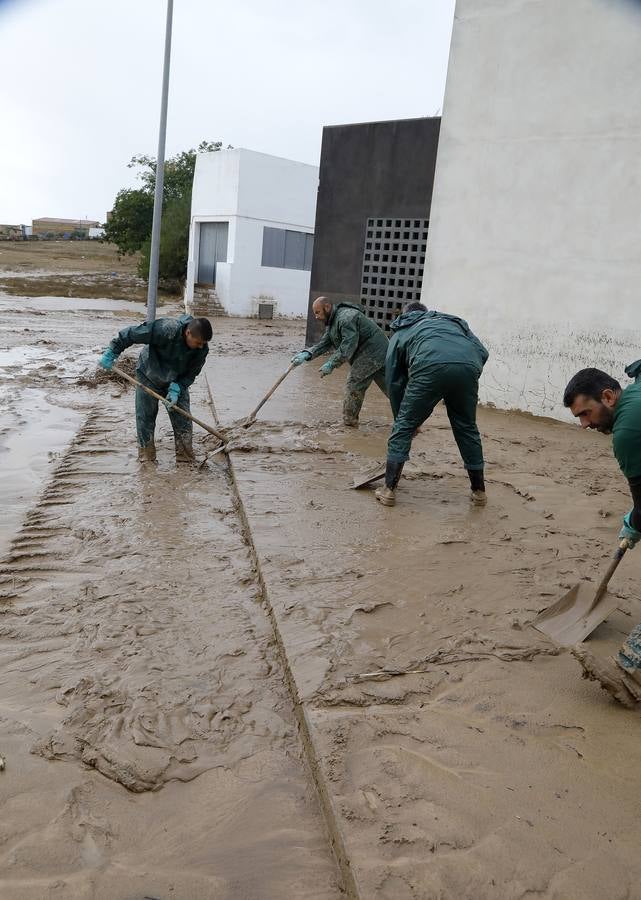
(80, 84)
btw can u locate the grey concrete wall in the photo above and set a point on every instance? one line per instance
(535, 233)
(371, 169)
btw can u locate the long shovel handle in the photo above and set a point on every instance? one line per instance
(600, 591)
(253, 414)
(176, 408)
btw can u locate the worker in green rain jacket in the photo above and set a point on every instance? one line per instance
(433, 356)
(174, 354)
(356, 339)
(598, 401)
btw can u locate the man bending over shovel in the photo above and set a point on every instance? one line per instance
(598, 401)
(174, 354)
(356, 339)
(432, 357)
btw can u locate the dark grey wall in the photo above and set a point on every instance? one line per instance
(372, 169)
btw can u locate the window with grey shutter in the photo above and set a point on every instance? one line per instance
(287, 249)
(309, 251)
(273, 247)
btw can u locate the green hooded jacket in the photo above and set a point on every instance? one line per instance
(166, 357)
(626, 430)
(423, 340)
(355, 338)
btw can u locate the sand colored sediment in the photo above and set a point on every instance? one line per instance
(497, 771)
(150, 741)
(150, 696)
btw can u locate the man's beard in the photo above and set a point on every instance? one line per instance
(606, 423)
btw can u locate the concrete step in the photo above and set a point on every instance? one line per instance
(205, 302)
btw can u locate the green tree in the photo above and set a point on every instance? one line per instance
(129, 226)
(174, 243)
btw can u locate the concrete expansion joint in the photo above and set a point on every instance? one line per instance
(335, 833)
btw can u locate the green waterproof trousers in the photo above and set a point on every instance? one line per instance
(355, 393)
(147, 411)
(457, 385)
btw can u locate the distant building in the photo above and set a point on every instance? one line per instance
(62, 227)
(10, 232)
(96, 232)
(372, 215)
(251, 234)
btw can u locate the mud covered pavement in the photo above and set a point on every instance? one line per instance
(199, 669)
(493, 771)
(150, 740)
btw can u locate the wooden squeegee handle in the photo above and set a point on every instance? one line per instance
(175, 408)
(253, 414)
(618, 556)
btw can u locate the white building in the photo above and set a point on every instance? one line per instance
(535, 224)
(251, 234)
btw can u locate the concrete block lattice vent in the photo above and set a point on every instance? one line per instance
(393, 263)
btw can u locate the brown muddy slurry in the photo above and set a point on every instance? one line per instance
(150, 741)
(248, 680)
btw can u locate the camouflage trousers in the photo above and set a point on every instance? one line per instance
(355, 394)
(630, 653)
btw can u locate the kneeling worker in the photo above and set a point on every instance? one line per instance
(174, 354)
(357, 340)
(431, 357)
(598, 401)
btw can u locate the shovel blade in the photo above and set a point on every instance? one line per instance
(369, 476)
(570, 620)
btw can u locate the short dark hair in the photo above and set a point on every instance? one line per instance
(591, 383)
(200, 328)
(414, 305)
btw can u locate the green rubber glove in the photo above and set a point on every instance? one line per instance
(172, 395)
(628, 533)
(107, 359)
(301, 357)
(326, 369)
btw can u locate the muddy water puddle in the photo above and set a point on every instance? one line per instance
(33, 434)
(26, 305)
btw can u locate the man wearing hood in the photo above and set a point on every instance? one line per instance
(356, 340)
(431, 357)
(174, 354)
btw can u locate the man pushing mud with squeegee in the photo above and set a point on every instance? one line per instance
(174, 353)
(355, 339)
(598, 401)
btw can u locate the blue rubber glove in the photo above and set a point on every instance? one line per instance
(107, 359)
(326, 369)
(172, 395)
(628, 533)
(303, 356)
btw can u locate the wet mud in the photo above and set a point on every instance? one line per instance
(250, 680)
(463, 753)
(137, 660)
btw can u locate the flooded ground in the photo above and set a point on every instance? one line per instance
(196, 685)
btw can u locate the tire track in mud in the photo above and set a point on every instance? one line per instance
(332, 820)
(159, 672)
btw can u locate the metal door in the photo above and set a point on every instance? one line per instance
(212, 249)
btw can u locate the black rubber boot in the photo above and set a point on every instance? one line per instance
(148, 453)
(184, 449)
(393, 470)
(477, 482)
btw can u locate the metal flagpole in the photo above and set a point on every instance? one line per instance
(152, 287)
